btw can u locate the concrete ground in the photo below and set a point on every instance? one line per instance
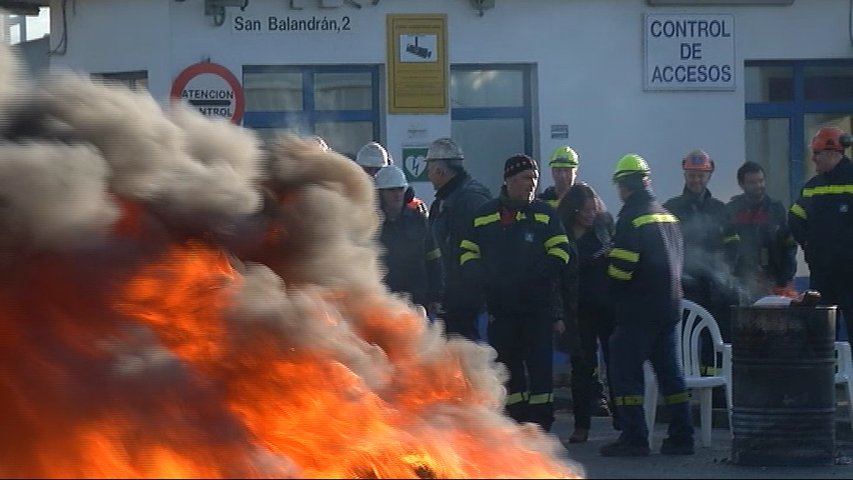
(710, 462)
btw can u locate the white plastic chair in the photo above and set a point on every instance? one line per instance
(695, 320)
(844, 372)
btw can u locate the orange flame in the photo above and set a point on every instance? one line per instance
(183, 390)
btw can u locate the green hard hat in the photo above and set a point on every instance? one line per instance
(563, 157)
(631, 164)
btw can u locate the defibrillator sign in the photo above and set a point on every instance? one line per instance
(414, 163)
(211, 89)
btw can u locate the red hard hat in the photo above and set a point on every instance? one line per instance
(830, 138)
(697, 160)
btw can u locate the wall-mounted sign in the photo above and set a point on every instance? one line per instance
(414, 163)
(694, 3)
(559, 130)
(689, 52)
(417, 63)
(291, 23)
(211, 89)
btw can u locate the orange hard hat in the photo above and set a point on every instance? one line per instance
(830, 138)
(697, 160)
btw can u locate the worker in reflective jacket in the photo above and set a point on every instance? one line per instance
(512, 257)
(821, 221)
(645, 271)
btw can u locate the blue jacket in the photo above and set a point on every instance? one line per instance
(646, 262)
(514, 257)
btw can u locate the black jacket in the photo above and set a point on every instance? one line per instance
(449, 218)
(646, 262)
(710, 247)
(549, 196)
(593, 248)
(514, 257)
(584, 280)
(821, 220)
(766, 244)
(411, 257)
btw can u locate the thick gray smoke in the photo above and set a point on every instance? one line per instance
(176, 295)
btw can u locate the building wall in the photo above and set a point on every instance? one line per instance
(588, 57)
(34, 54)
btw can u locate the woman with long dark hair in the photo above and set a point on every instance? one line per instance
(590, 227)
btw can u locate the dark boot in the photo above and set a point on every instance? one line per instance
(542, 414)
(623, 448)
(677, 446)
(600, 408)
(580, 435)
(518, 412)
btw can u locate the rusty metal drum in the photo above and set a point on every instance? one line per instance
(783, 390)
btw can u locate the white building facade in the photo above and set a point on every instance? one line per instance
(740, 80)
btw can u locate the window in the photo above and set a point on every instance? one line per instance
(491, 117)
(786, 103)
(338, 103)
(135, 80)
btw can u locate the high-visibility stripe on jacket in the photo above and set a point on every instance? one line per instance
(550, 197)
(449, 218)
(646, 260)
(821, 220)
(515, 261)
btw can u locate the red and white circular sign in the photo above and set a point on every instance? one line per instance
(211, 89)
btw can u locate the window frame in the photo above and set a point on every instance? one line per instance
(130, 78)
(795, 111)
(308, 116)
(524, 112)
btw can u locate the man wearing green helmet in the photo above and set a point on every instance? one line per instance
(645, 272)
(564, 171)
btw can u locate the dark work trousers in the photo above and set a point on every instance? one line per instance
(461, 323)
(525, 345)
(459, 318)
(630, 346)
(595, 325)
(836, 288)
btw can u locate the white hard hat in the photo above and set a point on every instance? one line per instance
(390, 176)
(373, 155)
(444, 149)
(319, 140)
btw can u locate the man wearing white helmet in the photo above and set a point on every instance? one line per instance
(457, 198)
(373, 156)
(411, 257)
